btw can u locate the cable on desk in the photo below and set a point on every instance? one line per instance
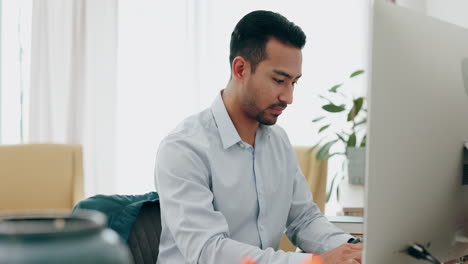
(419, 252)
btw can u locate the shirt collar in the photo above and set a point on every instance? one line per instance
(227, 131)
(265, 130)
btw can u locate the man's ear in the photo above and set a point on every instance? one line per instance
(240, 68)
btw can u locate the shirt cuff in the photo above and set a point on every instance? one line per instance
(298, 258)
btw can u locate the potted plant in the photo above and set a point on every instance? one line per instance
(343, 129)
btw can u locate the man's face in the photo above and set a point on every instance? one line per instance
(269, 90)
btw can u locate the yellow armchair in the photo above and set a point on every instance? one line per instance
(40, 176)
(315, 172)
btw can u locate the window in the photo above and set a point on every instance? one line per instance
(15, 38)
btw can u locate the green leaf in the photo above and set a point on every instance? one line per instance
(357, 105)
(323, 152)
(331, 187)
(335, 88)
(364, 141)
(318, 119)
(316, 145)
(352, 140)
(312, 148)
(356, 73)
(323, 97)
(361, 122)
(338, 192)
(332, 108)
(342, 94)
(351, 114)
(336, 153)
(323, 128)
(341, 137)
(358, 102)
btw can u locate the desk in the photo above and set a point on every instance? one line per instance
(351, 224)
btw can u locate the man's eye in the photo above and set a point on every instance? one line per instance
(294, 83)
(278, 81)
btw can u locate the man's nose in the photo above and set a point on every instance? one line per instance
(287, 95)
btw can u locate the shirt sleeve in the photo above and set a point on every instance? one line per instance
(306, 226)
(200, 232)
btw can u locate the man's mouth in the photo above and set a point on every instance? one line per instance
(277, 110)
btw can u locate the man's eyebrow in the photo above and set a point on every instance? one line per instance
(286, 74)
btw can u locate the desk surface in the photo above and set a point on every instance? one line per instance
(351, 224)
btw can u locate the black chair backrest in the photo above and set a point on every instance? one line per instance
(145, 234)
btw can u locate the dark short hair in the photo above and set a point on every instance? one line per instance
(252, 32)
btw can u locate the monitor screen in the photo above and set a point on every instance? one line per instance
(418, 123)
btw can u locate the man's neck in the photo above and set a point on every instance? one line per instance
(245, 126)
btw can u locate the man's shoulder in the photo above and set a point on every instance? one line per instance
(194, 129)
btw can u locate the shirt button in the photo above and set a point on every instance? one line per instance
(242, 145)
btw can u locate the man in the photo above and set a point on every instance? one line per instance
(228, 180)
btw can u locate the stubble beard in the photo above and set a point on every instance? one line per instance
(262, 119)
(261, 116)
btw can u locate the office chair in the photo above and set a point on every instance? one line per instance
(136, 218)
(146, 232)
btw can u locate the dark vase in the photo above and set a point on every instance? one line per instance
(81, 238)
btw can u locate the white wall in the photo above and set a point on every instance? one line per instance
(413, 4)
(453, 11)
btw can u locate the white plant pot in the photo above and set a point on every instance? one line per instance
(356, 165)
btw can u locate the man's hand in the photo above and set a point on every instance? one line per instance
(344, 254)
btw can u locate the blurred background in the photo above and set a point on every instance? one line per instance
(117, 76)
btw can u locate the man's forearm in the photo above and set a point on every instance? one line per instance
(227, 251)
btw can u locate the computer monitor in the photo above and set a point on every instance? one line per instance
(418, 123)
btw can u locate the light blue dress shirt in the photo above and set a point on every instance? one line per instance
(222, 200)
